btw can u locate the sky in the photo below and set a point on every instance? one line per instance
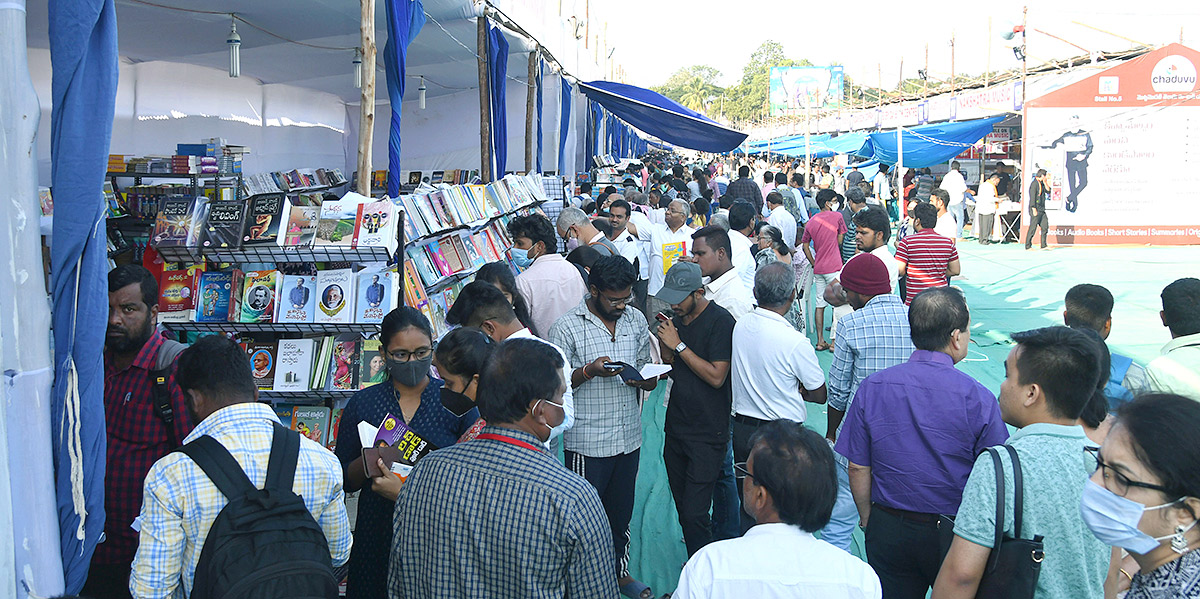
(654, 38)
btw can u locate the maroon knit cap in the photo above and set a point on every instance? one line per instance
(865, 274)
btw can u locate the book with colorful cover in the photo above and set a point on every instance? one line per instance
(293, 364)
(335, 302)
(343, 365)
(297, 301)
(376, 293)
(444, 214)
(454, 262)
(435, 254)
(258, 296)
(177, 221)
(262, 363)
(414, 290)
(177, 295)
(671, 253)
(394, 433)
(373, 368)
(224, 225)
(263, 218)
(474, 258)
(375, 225)
(220, 296)
(338, 218)
(312, 422)
(284, 412)
(335, 421)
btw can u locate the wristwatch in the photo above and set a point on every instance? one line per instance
(679, 348)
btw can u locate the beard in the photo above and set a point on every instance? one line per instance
(120, 340)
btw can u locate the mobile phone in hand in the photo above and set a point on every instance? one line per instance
(662, 317)
(612, 366)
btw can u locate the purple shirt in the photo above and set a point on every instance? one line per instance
(919, 426)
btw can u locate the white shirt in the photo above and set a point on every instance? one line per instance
(956, 186)
(568, 397)
(786, 223)
(639, 221)
(659, 237)
(985, 202)
(883, 191)
(631, 249)
(946, 226)
(729, 293)
(883, 253)
(550, 286)
(776, 561)
(743, 259)
(770, 362)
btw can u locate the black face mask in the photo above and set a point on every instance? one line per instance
(457, 403)
(410, 373)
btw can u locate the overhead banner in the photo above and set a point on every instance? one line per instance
(1117, 146)
(794, 88)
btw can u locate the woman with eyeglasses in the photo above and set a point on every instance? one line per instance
(414, 398)
(773, 249)
(1144, 497)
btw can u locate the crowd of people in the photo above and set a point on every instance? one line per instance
(708, 276)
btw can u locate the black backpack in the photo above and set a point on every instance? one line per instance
(265, 543)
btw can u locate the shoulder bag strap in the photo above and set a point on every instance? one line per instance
(1018, 490)
(285, 452)
(219, 466)
(994, 558)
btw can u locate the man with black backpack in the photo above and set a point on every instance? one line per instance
(144, 416)
(246, 508)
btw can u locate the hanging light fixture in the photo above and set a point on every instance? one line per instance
(358, 68)
(421, 94)
(235, 43)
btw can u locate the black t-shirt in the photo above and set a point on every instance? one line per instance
(854, 178)
(697, 411)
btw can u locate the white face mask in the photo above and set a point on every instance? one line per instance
(1114, 519)
(554, 430)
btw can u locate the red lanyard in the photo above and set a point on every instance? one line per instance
(509, 440)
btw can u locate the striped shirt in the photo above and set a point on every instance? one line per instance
(137, 438)
(492, 518)
(927, 255)
(608, 415)
(181, 503)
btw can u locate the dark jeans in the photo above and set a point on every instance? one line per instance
(639, 297)
(693, 468)
(1037, 219)
(905, 553)
(614, 479)
(727, 503)
(743, 428)
(107, 581)
(1076, 181)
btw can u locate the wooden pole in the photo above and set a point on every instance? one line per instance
(366, 122)
(953, 85)
(485, 106)
(530, 108)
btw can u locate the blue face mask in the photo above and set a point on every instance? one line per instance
(520, 257)
(1114, 519)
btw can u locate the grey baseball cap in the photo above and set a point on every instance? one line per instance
(682, 279)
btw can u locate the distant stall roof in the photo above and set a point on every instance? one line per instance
(928, 145)
(659, 116)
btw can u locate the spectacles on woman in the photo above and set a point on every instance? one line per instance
(1114, 480)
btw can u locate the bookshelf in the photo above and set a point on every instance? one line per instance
(299, 328)
(233, 181)
(276, 254)
(314, 397)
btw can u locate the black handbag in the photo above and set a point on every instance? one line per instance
(1015, 563)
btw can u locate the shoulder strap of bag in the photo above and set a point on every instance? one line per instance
(285, 452)
(1018, 490)
(219, 466)
(160, 390)
(994, 558)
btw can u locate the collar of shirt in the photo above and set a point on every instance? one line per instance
(1176, 343)
(517, 435)
(229, 415)
(770, 315)
(715, 286)
(776, 529)
(597, 238)
(883, 299)
(145, 357)
(550, 257)
(1045, 428)
(586, 313)
(936, 357)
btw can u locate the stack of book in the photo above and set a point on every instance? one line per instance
(462, 205)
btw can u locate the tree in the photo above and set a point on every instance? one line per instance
(747, 101)
(696, 94)
(685, 79)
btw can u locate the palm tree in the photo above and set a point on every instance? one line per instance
(696, 94)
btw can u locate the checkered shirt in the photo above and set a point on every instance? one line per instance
(554, 206)
(137, 438)
(181, 503)
(868, 340)
(608, 414)
(487, 518)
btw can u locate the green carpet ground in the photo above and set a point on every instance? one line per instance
(1008, 289)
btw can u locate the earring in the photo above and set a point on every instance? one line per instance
(1178, 543)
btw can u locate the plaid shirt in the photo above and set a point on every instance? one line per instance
(518, 525)
(745, 188)
(137, 438)
(608, 415)
(869, 340)
(181, 502)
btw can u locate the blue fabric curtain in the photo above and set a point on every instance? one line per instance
(497, 55)
(663, 118)
(597, 142)
(612, 131)
(928, 145)
(404, 21)
(83, 48)
(564, 127)
(541, 66)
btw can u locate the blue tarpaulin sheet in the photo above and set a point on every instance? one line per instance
(83, 48)
(855, 144)
(497, 55)
(661, 117)
(928, 145)
(404, 21)
(564, 127)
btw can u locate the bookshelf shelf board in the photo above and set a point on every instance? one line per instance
(314, 396)
(277, 254)
(126, 221)
(303, 328)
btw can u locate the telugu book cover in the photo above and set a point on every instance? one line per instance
(671, 253)
(220, 296)
(373, 365)
(263, 219)
(297, 299)
(258, 296)
(312, 422)
(293, 364)
(335, 300)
